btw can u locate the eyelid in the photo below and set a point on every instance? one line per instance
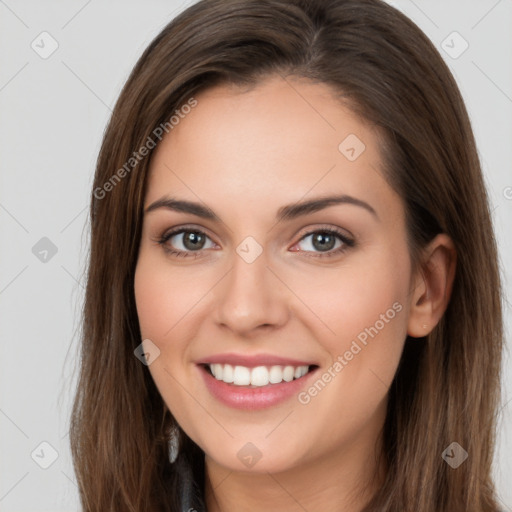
(325, 227)
(187, 227)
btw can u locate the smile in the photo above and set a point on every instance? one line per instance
(255, 388)
(258, 376)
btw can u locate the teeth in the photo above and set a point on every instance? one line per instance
(227, 373)
(258, 376)
(241, 376)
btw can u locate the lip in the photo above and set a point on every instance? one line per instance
(239, 397)
(251, 361)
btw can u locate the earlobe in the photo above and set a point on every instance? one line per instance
(433, 288)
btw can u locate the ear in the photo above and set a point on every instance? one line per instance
(432, 286)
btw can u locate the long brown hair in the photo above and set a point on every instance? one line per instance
(447, 387)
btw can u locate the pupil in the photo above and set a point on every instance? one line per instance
(323, 241)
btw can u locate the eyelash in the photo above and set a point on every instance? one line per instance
(347, 242)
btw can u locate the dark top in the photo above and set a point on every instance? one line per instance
(191, 486)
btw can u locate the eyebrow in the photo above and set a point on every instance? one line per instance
(288, 212)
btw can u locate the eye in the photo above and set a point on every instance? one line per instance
(325, 242)
(184, 242)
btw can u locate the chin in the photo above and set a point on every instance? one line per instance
(250, 459)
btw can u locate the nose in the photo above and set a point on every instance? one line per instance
(251, 298)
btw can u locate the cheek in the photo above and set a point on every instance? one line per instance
(165, 307)
(346, 300)
(155, 301)
(165, 297)
(360, 320)
(364, 308)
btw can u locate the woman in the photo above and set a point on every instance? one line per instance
(293, 298)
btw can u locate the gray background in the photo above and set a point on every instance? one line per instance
(53, 113)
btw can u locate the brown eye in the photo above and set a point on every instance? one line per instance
(325, 242)
(185, 242)
(193, 240)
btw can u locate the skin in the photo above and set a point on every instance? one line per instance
(245, 154)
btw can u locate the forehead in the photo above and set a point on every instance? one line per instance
(274, 142)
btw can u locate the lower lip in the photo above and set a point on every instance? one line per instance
(240, 397)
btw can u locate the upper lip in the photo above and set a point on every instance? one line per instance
(251, 361)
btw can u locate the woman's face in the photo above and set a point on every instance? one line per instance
(264, 281)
